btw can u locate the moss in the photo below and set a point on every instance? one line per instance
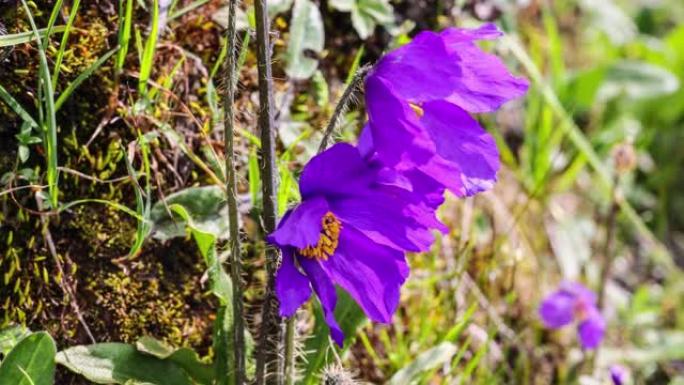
(142, 302)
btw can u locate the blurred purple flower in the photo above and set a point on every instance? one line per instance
(574, 302)
(352, 228)
(419, 97)
(618, 374)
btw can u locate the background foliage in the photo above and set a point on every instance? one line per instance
(112, 124)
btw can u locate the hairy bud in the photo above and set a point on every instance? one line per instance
(337, 375)
(624, 158)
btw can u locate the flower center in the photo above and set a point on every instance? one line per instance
(327, 241)
(581, 310)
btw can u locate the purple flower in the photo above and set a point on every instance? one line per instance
(352, 228)
(618, 374)
(574, 302)
(419, 98)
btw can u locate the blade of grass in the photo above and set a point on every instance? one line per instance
(355, 65)
(16, 107)
(51, 22)
(81, 78)
(62, 45)
(188, 8)
(143, 201)
(25, 37)
(113, 204)
(50, 122)
(148, 53)
(660, 253)
(125, 22)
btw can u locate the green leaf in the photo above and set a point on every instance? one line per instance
(306, 36)
(117, 363)
(342, 5)
(31, 362)
(367, 14)
(183, 357)
(221, 284)
(10, 337)
(205, 205)
(278, 6)
(426, 361)
(350, 317)
(637, 80)
(23, 153)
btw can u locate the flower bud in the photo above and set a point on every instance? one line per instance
(624, 158)
(337, 375)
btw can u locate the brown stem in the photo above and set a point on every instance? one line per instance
(269, 357)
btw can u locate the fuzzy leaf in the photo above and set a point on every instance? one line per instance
(426, 361)
(185, 358)
(306, 36)
(117, 363)
(367, 14)
(637, 80)
(205, 205)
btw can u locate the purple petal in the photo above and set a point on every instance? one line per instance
(291, 286)
(420, 184)
(365, 144)
(592, 329)
(487, 31)
(301, 227)
(396, 133)
(338, 170)
(446, 143)
(371, 273)
(580, 292)
(460, 140)
(618, 374)
(325, 290)
(384, 218)
(450, 66)
(557, 310)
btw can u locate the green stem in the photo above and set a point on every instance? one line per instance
(269, 360)
(343, 104)
(238, 370)
(290, 350)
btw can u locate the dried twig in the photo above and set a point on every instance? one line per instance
(63, 284)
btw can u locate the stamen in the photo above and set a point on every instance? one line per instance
(417, 109)
(327, 241)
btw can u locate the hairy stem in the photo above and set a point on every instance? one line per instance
(238, 369)
(290, 350)
(269, 358)
(343, 104)
(608, 245)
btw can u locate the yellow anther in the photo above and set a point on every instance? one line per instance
(417, 109)
(327, 241)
